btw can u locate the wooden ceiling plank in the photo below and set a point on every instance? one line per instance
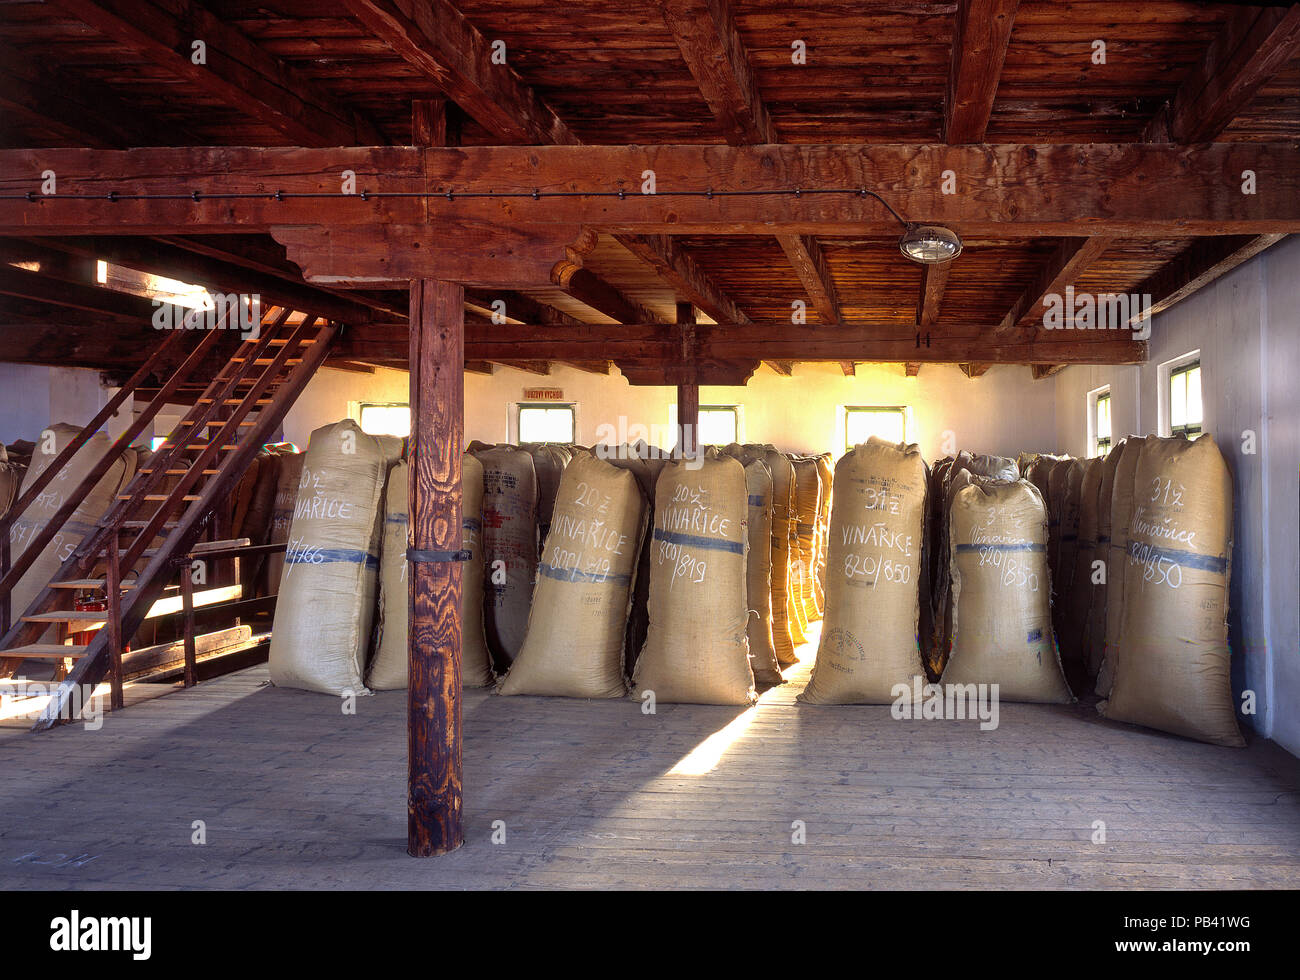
(1071, 258)
(234, 69)
(711, 46)
(979, 47)
(1254, 45)
(1202, 262)
(809, 263)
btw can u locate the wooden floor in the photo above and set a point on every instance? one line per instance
(292, 793)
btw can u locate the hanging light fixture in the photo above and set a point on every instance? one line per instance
(927, 244)
(930, 244)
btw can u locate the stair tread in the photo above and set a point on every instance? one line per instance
(36, 650)
(88, 583)
(67, 616)
(155, 497)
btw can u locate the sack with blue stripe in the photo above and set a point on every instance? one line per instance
(1173, 670)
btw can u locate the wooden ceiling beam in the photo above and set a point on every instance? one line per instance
(1202, 262)
(1143, 190)
(590, 367)
(706, 34)
(591, 290)
(1040, 371)
(974, 369)
(530, 367)
(809, 263)
(1254, 45)
(783, 368)
(1070, 260)
(849, 368)
(683, 273)
(521, 308)
(479, 367)
(911, 369)
(234, 69)
(934, 279)
(980, 37)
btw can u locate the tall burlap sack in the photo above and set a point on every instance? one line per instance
(637, 459)
(1096, 643)
(983, 464)
(825, 471)
(758, 572)
(389, 667)
(1058, 480)
(1121, 513)
(697, 650)
(509, 549)
(1173, 668)
(1073, 636)
(869, 640)
(95, 505)
(11, 477)
(577, 627)
(286, 496)
(933, 651)
(808, 493)
(1001, 611)
(549, 461)
(782, 507)
(321, 632)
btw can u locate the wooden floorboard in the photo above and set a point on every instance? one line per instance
(293, 793)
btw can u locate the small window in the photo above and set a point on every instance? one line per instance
(385, 419)
(1101, 424)
(1185, 416)
(718, 425)
(546, 423)
(860, 424)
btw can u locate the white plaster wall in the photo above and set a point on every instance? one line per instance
(1247, 328)
(32, 397)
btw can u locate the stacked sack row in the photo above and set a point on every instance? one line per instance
(592, 572)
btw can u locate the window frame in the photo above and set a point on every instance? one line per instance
(572, 408)
(849, 410)
(735, 422)
(361, 414)
(1190, 430)
(1099, 446)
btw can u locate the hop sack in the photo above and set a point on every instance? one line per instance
(1172, 671)
(870, 641)
(1121, 508)
(321, 632)
(697, 649)
(758, 572)
(1000, 605)
(577, 627)
(509, 548)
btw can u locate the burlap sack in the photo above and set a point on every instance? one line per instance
(389, 668)
(1173, 668)
(1121, 513)
(808, 493)
(825, 467)
(869, 641)
(1073, 635)
(1058, 480)
(577, 627)
(1096, 645)
(697, 649)
(323, 617)
(636, 459)
(758, 572)
(81, 522)
(286, 496)
(1001, 614)
(549, 461)
(509, 548)
(782, 471)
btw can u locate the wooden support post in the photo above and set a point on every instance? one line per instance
(187, 608)
(688, 393)
(113, 592)
(437, 358)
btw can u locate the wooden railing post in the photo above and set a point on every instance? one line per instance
(187, 608)
(437, 361)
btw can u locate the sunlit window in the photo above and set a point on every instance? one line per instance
(385, 419)
(718, 425)
(546, 423)
(1185, 415)
(1101, 424)
(860, 424)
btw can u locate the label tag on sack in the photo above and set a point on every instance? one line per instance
(417, 554)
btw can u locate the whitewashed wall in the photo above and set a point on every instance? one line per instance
(1247, 328)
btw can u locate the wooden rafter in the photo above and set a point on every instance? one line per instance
(1202, 262)
(706, 33)
(591, 290)
(934, 278)
(979, 47)
(1040, 371)
(911, 369)
(783, 368)
(680, 271)
(974, 369)
(1071, 258)
(849, 368)
(809, 264)
(1255, 44)
(234, 69)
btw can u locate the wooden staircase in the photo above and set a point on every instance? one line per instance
(149, 536)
